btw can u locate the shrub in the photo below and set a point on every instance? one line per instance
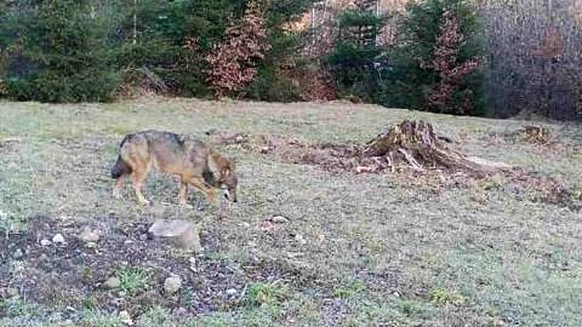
(432, 64)
(232, 62)
(450, 73)
(352, 62)
(275, 72)
(534, 65)
(162, 45)
(63, 55)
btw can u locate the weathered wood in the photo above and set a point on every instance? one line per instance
(416, 144)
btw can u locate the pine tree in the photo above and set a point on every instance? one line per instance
(63, 55)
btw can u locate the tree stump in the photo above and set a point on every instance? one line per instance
(416, 144)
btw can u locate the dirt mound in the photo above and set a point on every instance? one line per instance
(536, 134)
(410, 145)
(539, 136)
(415, 154)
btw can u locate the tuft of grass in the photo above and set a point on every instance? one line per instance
(133, 280)
(218, 319)
(414, 309)
(157, 316)
(94, 318)
(18, 307)
(349, 290)
(442, 296)
(272, 293)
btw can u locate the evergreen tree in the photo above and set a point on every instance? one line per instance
(61, 53)
(352, 62)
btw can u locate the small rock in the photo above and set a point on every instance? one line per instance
(266, 226)
(17, 254)
(396, 294)
(56, 316)
(90, 235)
(265, 150)
(112, 282)
(180, 311)
(183, 233)
(299, 238)
(91, 245)
(172, 284)
(231, 292)
(294, 255)
(58, 239)
(279, 220)
(11, 292)
(45, 242)
(363, 169)
(125, 318)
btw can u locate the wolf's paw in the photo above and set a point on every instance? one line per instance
(184, 204)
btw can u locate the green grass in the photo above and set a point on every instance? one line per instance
(377, 250)
(441, 296)
(133, 280)
(270, 294)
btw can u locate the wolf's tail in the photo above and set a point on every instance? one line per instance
(120, 168)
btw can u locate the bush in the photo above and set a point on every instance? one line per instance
(274, 80)
(543, 74)
(271, 85)
(433, 63)
(162, 42)
(232, 62)
(352, 62)
(69, 51)
(63, 57)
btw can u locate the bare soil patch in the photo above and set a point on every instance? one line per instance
(72, 273)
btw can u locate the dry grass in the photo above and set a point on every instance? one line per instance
(358, 249)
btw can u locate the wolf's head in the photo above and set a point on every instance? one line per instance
(225, 175)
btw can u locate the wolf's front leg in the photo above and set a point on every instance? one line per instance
(183, 195)
(116, 193)
(209, 192)
(138, 180)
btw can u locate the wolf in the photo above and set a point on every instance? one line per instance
(187, 157)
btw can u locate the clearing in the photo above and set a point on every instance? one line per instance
(355, 249)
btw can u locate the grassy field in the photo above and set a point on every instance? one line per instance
(357, 250)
